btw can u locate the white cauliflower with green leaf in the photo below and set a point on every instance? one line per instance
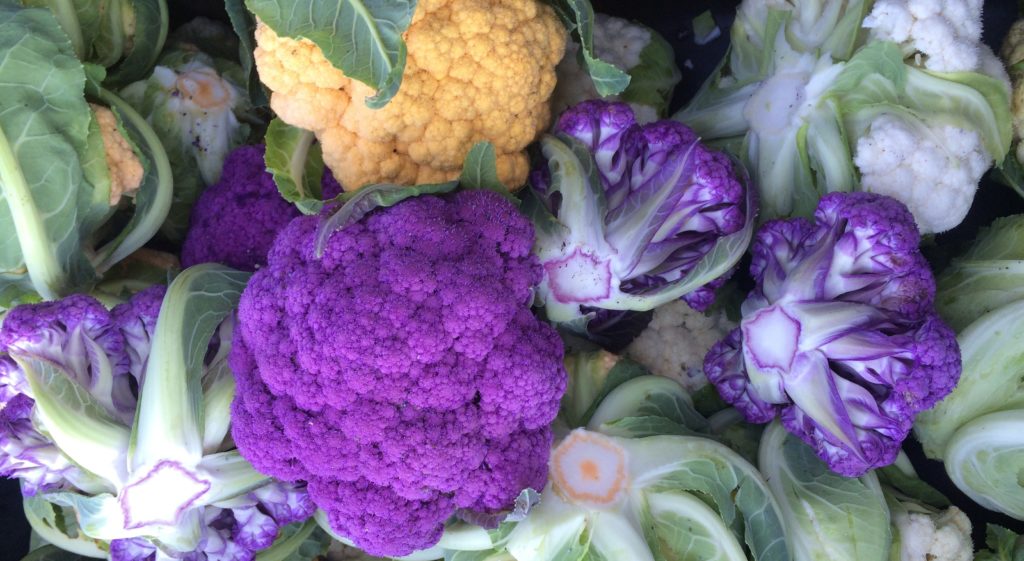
(674, 344)
(928, 535)
(632, 47)
(946, 33)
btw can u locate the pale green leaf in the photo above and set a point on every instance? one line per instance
(80, 426)
(828, 516)
(479, 171)
(992, 351)
(245, 26)
(294, 159)
(685, 528)
(984, 459)
(169, 421)
(648, 396)
(608, 79)
(149, 33)
(719, 477)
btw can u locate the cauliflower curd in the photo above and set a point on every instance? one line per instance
(125, 168)
(476, 70)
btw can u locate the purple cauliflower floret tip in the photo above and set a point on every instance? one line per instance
(235, 220)
(839, 336)
(631, 230)
(401, 374)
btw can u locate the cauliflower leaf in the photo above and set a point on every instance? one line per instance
(362, 38)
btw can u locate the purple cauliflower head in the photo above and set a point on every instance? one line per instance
(839, 335)
(402, 373)
(626, 212)
(235, 220)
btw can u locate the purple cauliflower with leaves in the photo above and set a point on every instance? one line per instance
(235, 220)
(401, 374)
(630, 216)
(839, 336)
(76, 347)
(79, 335)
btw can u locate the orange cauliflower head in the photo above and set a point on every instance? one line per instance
(477, 70)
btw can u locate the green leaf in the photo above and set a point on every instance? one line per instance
(245, 27)
(988, 276)
(970, 99)
(653, 80)
(992, 352)
(579, 18)
(1010, 172)
(705, 29)
(720, 478)
(901, 477)
(44, 126)
(1003, 545)
(479, 171)
(78, 19)
(98, 516)
(57, 525)
(370, 198)
(642, 427)
(78, 424)
(294, 159)
(984, 459)
(110, 39)
(169, 420)
(230, 475)
(684, 527)
(648, 396)
(592, 376)
(147, 40)
(827, 515)
(362, 38)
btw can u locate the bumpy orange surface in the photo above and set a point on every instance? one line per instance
(476, 70)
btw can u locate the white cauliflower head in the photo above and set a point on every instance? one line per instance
(945, 33)
(676, 340)
(927, 536)
(933, 169)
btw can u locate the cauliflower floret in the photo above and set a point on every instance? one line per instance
(476, 70)
(934, 537)
(125, 168)
(946, 33)
(676, 340)
(618, 42)
(934, 170)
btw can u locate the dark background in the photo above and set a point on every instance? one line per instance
(673, 20)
